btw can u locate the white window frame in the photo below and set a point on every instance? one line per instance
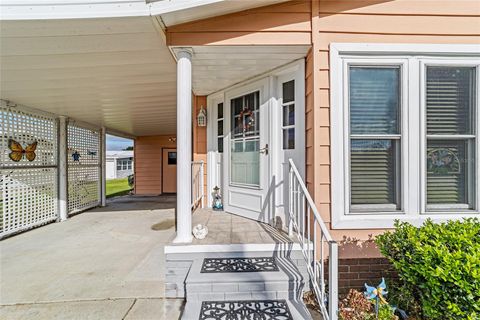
(439, 208)
(413, 58)
(282, 106)
(403, 136)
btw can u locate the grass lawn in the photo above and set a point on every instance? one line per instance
(117, 187)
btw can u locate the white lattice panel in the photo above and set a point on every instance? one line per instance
(27, 128)
(84, 163)
(28, 189)
(83, 188)
(29, 198)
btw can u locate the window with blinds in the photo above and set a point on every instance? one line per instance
(374, 106)
(450, 114)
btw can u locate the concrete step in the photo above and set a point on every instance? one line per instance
(286, 282)
(249, 309)
(242, 285)
(179, 261)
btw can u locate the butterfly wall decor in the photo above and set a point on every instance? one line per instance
(17, 151)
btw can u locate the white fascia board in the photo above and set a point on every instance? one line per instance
(118, 133)
(43, 10)
(166, 6)
(49, 9)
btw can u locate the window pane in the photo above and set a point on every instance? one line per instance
(220, 110)
(289, 115)
(373, 172)
(245, 156)
(450, 100)
(172, 158)
(220, 145)
(374, 100)
(245, 115)
(245, 162)
(220, 128)
(448, 171)
(288, 89)
(289, 138)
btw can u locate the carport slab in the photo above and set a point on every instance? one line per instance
(105, 253)
(81, 310)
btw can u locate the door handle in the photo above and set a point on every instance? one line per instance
(264, 150)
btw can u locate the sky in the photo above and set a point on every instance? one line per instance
(117, 144)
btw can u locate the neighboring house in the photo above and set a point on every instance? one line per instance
(375, 102)
(119, 164)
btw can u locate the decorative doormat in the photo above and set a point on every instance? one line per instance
(257, 264)
(245, 310)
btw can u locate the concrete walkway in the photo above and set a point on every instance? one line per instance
(105, 263)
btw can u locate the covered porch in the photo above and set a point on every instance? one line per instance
(141, 78)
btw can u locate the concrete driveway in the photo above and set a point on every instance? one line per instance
(105, 263)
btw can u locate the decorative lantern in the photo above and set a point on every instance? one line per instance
(217, 199)
(202, 117)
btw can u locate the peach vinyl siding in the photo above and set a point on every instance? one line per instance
(148, 163)
(368, 21)
(286, 23)
(200, 136)
(148, 154)
(318, 23)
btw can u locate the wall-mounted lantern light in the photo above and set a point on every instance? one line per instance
(202, 117)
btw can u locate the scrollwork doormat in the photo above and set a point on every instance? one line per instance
(245, 310)
(224, 265)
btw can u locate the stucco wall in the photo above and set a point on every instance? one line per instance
(148, 163)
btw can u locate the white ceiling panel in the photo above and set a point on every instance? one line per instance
(219, 67)
(115, 72)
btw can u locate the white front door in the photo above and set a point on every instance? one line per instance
(246, 152)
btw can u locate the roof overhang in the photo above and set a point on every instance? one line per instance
(112, 72)
(112, 68)
(172, 11)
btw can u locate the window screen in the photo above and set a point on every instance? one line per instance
(450, 101)
(374, 104)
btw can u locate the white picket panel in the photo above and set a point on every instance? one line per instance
(84, 167)
(28, 189)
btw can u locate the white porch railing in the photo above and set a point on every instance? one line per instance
(314, 238)
(198, 193)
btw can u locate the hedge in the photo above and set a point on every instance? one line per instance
(439, 264)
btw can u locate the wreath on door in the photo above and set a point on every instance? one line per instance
(248, 115)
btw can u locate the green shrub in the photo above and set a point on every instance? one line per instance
(439, 264)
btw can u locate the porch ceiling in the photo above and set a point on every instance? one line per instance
(115, 72)
(218, 67)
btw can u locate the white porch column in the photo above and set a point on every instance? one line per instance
(62, 169)
(184, 146)
(103, 171)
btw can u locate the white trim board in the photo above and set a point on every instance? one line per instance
(411, 58)
(172, 11)
(231, 248)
